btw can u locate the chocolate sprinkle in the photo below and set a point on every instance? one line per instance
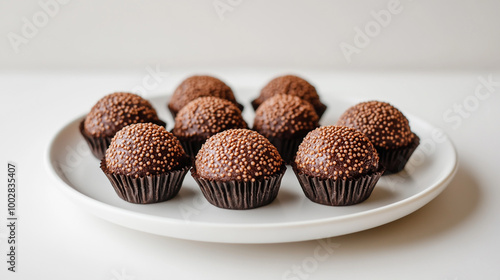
(199, 86)
(336, 152)
(238, 154)
(285, 116)
(143, 149)
(206, 116)
(382, 123)
(291, 85)
(117, 110)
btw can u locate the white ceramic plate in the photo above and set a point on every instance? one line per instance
(291, 217)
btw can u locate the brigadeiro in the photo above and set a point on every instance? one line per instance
(110, 114)
(238, 169)
(204, 117)
(199, 86)
(291, 85)
(145, 163)
(285, 120)
(337, 166)
(388, 130)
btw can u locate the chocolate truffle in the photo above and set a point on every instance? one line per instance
(238, 169)
(143, 149)
(145, 163)
(110, 114)
(291, 85)
(388, 130)
(336, 152)
(199, 86)
(336, 166)
(204, 117)
(238, 154)
(285, 120)
(117, 110)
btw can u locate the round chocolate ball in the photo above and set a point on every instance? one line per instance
(117, 110)
(336, 152)
(238, 154)
(285, 116)
(144, 149)
(291, 85)
(206, 116)
(196, 87)
(382, 123)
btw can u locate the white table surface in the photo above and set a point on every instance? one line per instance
(455, 236)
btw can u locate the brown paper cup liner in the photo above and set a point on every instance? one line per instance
(319, 108)
(255, 104)
(99, 145)
(191, 145)
(172, 111)
(338, 192)
(396, 159)
(287, 147)
(241, 107)
(148, 189)
(240, 195)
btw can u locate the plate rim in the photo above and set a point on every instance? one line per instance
(423, 197)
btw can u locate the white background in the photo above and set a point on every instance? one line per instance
(426, 61)
(118, 34)
(454, 237)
